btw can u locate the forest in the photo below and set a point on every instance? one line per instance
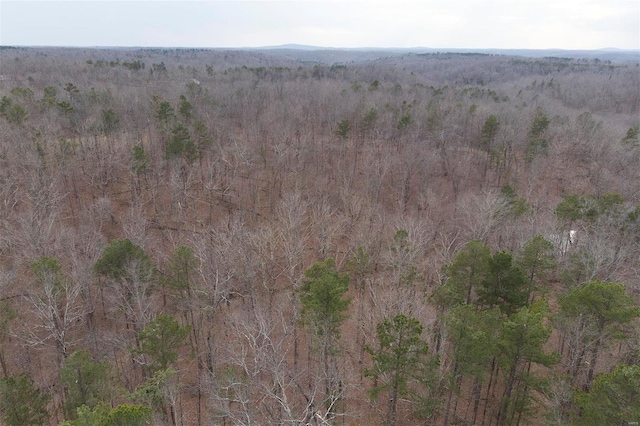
(272, 237)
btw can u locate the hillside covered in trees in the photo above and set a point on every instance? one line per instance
(212, 237)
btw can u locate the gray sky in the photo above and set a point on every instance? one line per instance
(534, 24)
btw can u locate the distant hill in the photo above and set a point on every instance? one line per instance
(320, 54)
(293, 46)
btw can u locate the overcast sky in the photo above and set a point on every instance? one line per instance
(534, 24)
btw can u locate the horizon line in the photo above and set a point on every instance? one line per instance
(298, 46)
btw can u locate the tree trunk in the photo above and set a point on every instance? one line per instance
(477, 391)
(450, 396)
(392, 405)
(592, 363)
(3, 364)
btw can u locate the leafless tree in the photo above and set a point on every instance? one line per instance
(328, 228)
(481, 214)
(295, 235)
(255, 384)
(56, 306)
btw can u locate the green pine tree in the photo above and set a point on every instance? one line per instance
(401, 366)
(22, 403)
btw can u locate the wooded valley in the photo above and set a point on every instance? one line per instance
(272, 237)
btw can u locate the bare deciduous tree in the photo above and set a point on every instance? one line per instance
(56, 306)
